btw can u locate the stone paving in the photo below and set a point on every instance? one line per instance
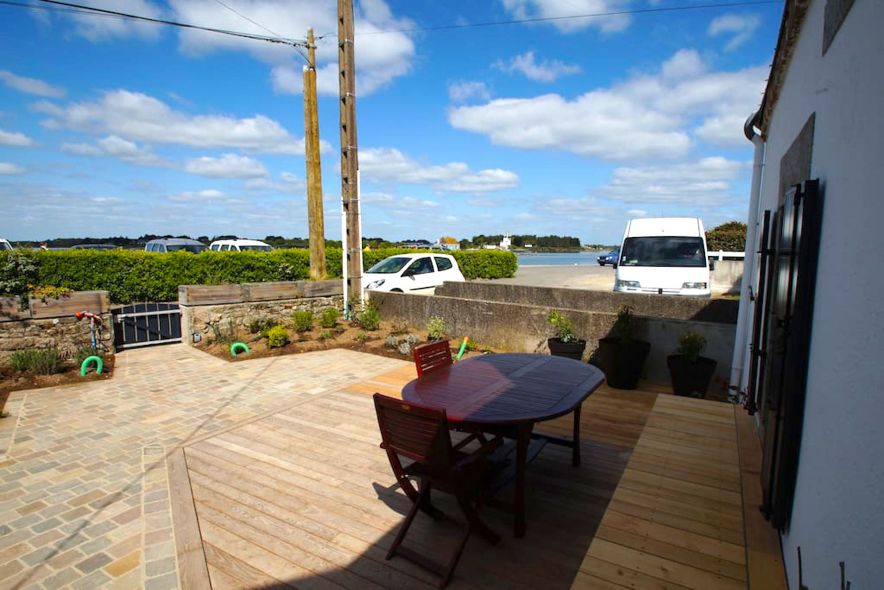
(84, 498)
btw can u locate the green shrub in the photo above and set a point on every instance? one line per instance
(302, 320)
(224, 332)
(562, 325)
(628, 326)
(84, 352)
(369, 318)
(436, 328)
(691, 345)
(277, 337)
(326, 334)
(362, 337)
(135, 275)
(45, 361)
(260, 325)
(329, 317)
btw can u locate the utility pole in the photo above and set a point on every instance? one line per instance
(314, 171)
(352, 241)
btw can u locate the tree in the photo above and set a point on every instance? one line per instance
(730, 237)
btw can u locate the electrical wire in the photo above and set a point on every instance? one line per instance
(82, 9)
(257, 24)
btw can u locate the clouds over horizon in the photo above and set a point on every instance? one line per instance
(391, 165)
(557, 9)
(647, 116)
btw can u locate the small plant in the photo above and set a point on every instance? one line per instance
(362, 337)
(302, 320)
(390, 342)
(326, 334)
(628, 326)
(46, 361)
(562, 325)
(260, 325)
(277, 337)
(82, 353)
(338, 330)
(329, 317)
(46, 292)
(224, 332)
(369, 318)
(435, 328)
(399, 328)
(408, 344)
(691, 345)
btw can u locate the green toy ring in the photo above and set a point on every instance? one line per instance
(99, 365)
(237, 347)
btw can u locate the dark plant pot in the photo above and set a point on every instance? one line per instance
(622, 362)
(571, 350)
(691, 378)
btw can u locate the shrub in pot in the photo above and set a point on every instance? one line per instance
(690, 372)
(622, 353)
(564, 343)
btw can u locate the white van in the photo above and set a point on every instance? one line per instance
(239, 246)
(664, 255)
(5, 245)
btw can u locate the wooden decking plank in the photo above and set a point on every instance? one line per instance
(661, 568)
(192, 570)
(227, 571)
(703, 493)
(677, 521)
(624, 576)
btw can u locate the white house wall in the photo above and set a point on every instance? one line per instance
(838, 512)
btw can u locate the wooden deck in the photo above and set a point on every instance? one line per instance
(306, 499)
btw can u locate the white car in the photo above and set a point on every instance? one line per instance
(5, 245)
(412, 273)
(239, 246)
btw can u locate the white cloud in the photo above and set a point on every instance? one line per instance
(391, 165)
(724, 130)
(646, 116)
(545, 71)
(741, 26)
(138, 117)
(10, 169)
(288, 183)
(226, 166)
(554, 9)
(466, 90)
(97, 28)
(203, 196)
(400, 206)
(31, 85)
(637, 213)
(117, 147)
(381, 57)
(706, 182)
(15, 138)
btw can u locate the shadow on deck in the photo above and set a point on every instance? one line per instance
(306, 499)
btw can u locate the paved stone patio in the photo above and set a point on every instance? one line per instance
(84, 498)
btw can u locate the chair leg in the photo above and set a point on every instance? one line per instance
(452, 564)
(475, 523)
(425, 491)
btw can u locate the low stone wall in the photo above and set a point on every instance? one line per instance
(208, 312)
(51, 324)
(660, 306)
(521, 326)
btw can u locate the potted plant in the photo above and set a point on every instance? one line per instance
(622, 354)
(690, 372)
(564, 343)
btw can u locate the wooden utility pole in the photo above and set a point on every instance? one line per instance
(352, 241)
(314, 171)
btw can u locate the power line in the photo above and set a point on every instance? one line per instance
(257, 24)
(81, 9)
(541, 19)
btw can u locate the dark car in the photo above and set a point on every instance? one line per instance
(610, 257)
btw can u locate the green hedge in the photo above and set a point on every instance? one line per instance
(130, 275)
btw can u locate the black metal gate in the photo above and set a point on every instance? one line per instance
(145, 324)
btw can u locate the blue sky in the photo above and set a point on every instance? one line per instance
(568, 126)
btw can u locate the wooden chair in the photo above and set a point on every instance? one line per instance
(421, 434)
(432, 356)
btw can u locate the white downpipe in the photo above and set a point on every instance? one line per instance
(359, 225)
(741, 341)
(344, 260)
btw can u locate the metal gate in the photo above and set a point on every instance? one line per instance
(145, 324)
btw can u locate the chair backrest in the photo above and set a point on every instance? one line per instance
(414, 431)
(432, 356)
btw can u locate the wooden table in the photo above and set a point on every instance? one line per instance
(510, 392)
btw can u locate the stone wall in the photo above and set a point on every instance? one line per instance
(20, 331)
(225, 311)
(521, 325)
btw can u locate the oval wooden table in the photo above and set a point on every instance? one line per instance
(510, 392)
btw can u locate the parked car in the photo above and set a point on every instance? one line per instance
(239, 246)
(610, 257)
(174, 245)
(412, 273)
(5, 245)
